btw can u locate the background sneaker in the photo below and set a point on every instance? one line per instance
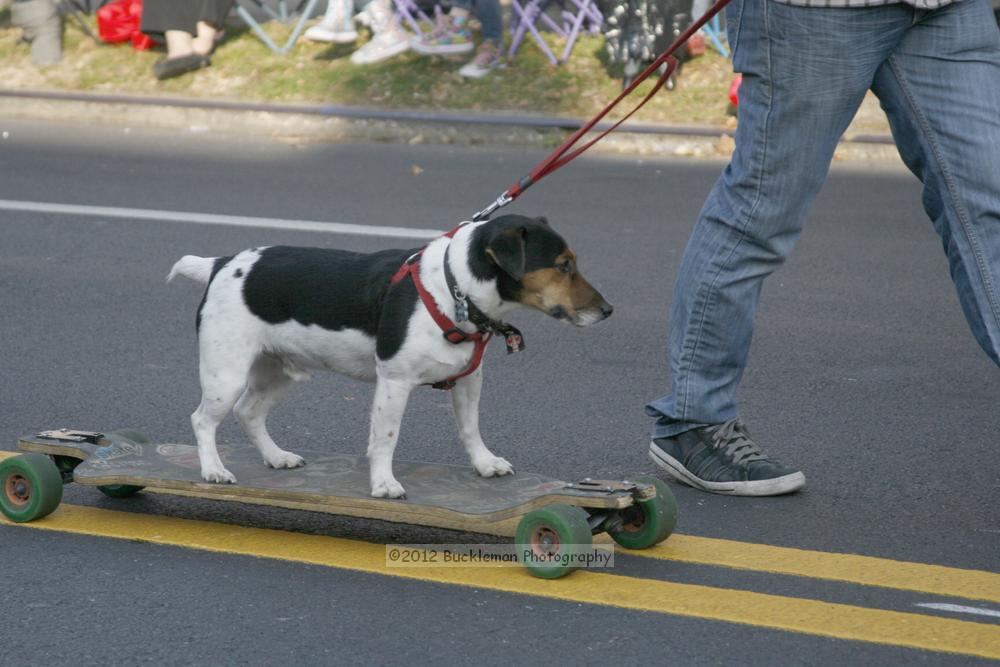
(382, 46)
(487, 59)
(326, 33)
(364, 17)
(336, 25)
(449, 37)
(723, 459)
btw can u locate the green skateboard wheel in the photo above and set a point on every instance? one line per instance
(647, 522)
(550, 539)
(124, 490)
(30, 487)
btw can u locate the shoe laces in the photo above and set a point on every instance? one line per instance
(444, 29)
(387, 38)
(487, 53)
(733, 438)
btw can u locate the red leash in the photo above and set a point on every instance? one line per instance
(561, 155)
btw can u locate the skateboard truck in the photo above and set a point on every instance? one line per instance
(638, 490)
(67, 435)
(601, 521)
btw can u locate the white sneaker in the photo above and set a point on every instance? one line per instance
(382, 46)
(336, 25)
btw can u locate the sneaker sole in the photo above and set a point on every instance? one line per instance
(761, 487)
(477, 74)
(448, 49)
(332, 38)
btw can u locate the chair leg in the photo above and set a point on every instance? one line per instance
(571, 39)
(713, 31)
(533, 11)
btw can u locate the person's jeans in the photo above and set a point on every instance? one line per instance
(488, 14)
(805, 72)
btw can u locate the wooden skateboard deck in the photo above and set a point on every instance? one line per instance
(444, 496)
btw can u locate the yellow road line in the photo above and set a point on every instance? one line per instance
(757, 609)
(849, 568)
(864, 570)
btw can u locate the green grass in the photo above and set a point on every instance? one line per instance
(243, 68)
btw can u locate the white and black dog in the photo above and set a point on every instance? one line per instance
(272, 315)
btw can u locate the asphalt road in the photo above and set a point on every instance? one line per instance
(863, 374)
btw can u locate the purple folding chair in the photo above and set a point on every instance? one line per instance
(572, 17)
(409, 13)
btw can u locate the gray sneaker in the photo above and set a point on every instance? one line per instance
(487, 59)
(723, 459)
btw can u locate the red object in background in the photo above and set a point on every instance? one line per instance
(119, 22)
(734, 90)
(141, 41)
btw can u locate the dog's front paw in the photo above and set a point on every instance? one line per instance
(387, 488)
(283, 459)
(218, 475)
(493, 467)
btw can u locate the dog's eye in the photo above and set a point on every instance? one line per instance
(565, 267)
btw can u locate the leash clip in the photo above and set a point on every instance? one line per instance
(501, 201)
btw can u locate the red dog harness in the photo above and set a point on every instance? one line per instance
(452, 333)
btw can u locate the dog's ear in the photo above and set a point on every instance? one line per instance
(542, 219)
(506, 250)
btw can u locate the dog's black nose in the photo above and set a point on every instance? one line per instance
(607, 309)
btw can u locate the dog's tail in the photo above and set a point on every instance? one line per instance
(198, 269)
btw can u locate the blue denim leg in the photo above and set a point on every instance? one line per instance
(488, 13)
(941, 91)
(805, 73)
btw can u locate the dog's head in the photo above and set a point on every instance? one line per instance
(534, 266)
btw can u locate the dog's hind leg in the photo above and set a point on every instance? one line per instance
(268, 384)
(465, 400)
(223, 380)
(387, 415)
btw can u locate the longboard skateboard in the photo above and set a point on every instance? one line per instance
(541, 512)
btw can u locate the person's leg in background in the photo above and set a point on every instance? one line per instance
(189, 28)
(941, 91)
(799, 93)
(39, 20)
(453, 36)
(489, 54)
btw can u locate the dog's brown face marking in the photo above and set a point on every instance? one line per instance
(543, 272)
(563, 293)
(536, 268)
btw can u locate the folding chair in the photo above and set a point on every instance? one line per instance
(75, 10)
(715, 36)
(408, 12)
(573, 16)
(282, 14)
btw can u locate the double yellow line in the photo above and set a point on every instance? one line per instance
(841, 621)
